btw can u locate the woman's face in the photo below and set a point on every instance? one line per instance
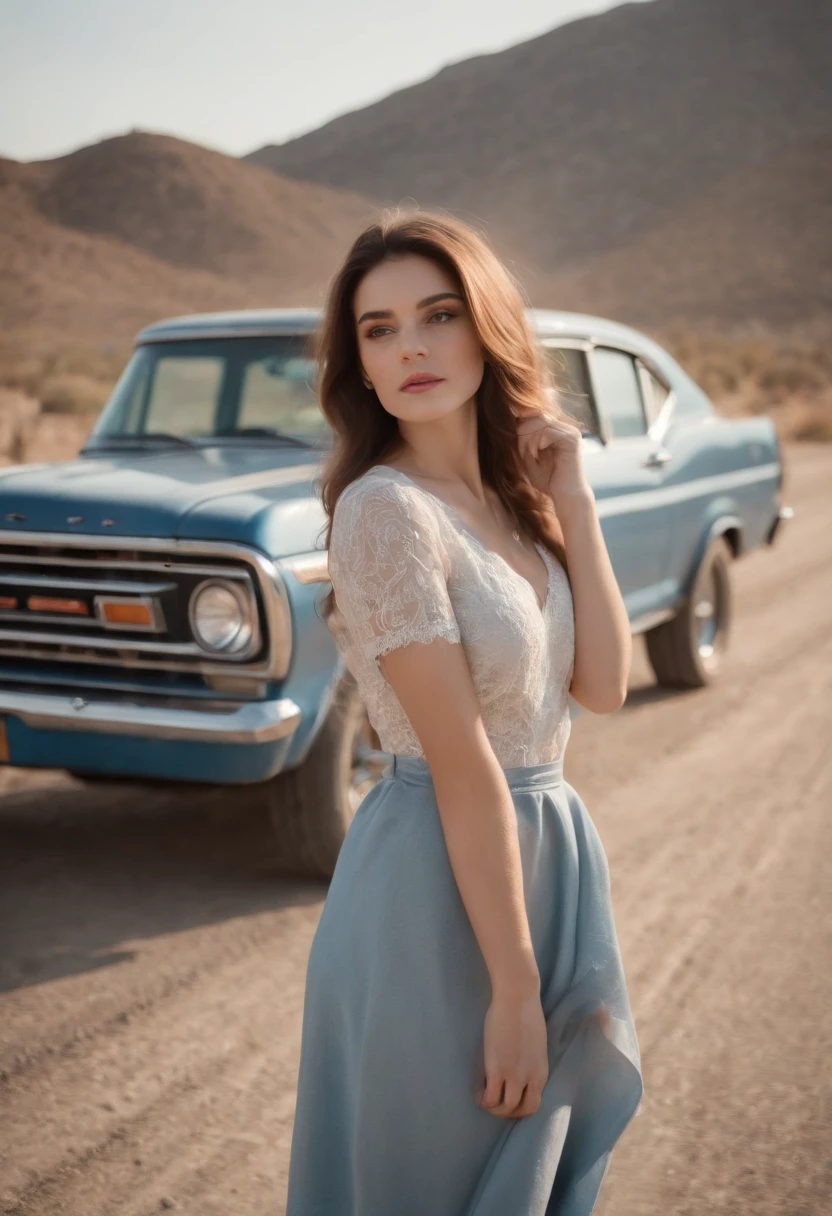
(411, 318)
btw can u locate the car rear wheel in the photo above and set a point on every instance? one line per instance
(688, 651)
(312, 806)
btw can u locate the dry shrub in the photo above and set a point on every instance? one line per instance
(67, 378)
(786, 374)
(794, 375)
(50, 393)
(804, 419)
(72, 394)
(57, 437)
(18, 420)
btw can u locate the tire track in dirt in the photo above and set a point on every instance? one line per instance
(179, 1044)
(178, 1115)
(720, 862)
(737, 1042)
(68, 1038)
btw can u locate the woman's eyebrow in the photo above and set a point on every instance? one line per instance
(383, 313)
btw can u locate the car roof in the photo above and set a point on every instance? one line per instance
(259, 322)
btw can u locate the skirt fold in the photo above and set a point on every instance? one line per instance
(396, 996)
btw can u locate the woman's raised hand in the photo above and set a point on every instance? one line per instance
(551, 449)
(516, 1055)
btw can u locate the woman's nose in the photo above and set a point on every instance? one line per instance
(412, 342)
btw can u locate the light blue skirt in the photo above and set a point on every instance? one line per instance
(386, 1122)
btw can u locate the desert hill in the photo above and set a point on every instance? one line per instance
(586, 139)
(116, 234)
(56, 279)
(756, 245)
(196, 208)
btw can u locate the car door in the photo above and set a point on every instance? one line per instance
(626, 467)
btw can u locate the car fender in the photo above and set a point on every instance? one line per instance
(718, 522)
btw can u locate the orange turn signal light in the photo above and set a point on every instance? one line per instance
(8, 601)
(51, 603)
(118, 613)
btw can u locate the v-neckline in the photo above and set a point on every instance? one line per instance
(542, 609)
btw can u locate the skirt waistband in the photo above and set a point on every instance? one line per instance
(415, 771)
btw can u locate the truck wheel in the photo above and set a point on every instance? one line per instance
(687, 651)
(312, 806)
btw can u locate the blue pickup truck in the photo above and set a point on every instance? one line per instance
(159, 594)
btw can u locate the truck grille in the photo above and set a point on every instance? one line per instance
(54, 591)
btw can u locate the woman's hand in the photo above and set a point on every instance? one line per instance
(516, 1056)
(551, 448)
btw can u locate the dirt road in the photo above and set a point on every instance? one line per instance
(152, 969)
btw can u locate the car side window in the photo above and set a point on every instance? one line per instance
(656, 393)
(618, 388)
(571, 382)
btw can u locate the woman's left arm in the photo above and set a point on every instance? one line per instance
(603, 641)
(553, 451)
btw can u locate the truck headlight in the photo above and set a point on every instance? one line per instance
(221, 617)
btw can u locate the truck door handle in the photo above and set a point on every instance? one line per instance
(657, 458)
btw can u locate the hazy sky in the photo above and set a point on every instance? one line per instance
(231, 74)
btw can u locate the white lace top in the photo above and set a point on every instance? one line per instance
(406, 567)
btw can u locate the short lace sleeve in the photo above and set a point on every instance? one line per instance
(387, 566)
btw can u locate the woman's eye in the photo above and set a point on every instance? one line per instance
(377, 329)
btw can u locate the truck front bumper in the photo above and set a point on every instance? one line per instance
(239, 743)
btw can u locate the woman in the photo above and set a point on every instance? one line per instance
(468, 1047)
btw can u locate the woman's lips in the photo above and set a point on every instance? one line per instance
(421, 387)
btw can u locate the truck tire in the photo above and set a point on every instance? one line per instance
(687, 651)
(312, 806)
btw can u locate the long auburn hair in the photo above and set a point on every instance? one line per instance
(515, 377)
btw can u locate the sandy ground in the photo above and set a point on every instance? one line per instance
(152, 967)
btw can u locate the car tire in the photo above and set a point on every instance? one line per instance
(688, 651)
(311, 807)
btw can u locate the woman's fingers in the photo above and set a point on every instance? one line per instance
(530, 1102)
(493, 1093)
(510, 1099)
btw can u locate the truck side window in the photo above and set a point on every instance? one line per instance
(571, 382)
(616, 379)
(278, 390)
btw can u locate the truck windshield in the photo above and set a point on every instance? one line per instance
(229, 390)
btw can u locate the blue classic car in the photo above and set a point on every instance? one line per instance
(159, 594)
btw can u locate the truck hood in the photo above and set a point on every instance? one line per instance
(262, 496)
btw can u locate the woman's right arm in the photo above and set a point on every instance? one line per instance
(387, 564)
(434, 686)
